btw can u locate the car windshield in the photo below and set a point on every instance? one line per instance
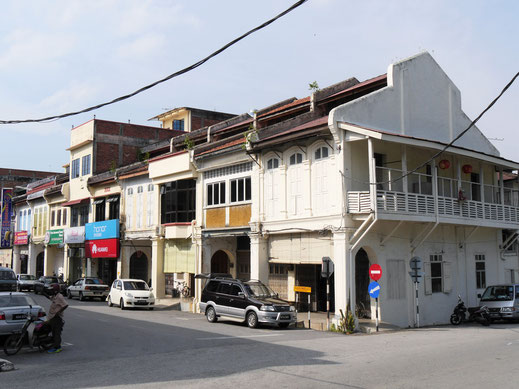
(15, 301)
(51, 280)
(135, 285)
(7, 275)
(27, 277)
(257, 289)
(94, 281)
(498, 293)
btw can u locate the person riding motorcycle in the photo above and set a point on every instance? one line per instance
(55, 317)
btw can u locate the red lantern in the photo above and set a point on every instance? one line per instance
(444, 164)
(467, 169)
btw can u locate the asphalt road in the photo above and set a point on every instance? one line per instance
(107, 347)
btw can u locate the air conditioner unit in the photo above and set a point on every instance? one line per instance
(159, 230)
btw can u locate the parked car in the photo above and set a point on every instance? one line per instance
(131, 293)
(8, 282)
(251, 301)
(14, 307)
(25, 282)
(45, 284)
(502, 301)
(88, 287)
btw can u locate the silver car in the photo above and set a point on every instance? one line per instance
(14, 307)
(502, 301)
(88, 287)
(25, 282)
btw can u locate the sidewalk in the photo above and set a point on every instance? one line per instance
(318, 322)
(175, 303)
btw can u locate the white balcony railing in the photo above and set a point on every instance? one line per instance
(476, 201)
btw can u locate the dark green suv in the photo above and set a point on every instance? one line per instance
(8, 281)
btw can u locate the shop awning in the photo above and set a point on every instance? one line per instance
(75, 202)
(112, 199)
(98, 201)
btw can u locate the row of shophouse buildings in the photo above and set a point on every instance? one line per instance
(266, 196)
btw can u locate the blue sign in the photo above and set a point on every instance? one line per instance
(374, 289)
(102, 230)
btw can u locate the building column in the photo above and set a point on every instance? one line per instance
(123, 265)
(259, 262)
(157, 267)
(89, 267)
(340, 263)
(66, 263)
(47, 268)
(31, 260)
(16, 264)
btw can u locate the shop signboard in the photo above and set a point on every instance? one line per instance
(21, 237)
(7, 211)
(74, 235)
(54, 237)
(102, 248)
(107, 229)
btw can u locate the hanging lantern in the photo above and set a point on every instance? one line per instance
(444, 164)
(467, 169)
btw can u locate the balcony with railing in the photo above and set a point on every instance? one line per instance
(429, 196)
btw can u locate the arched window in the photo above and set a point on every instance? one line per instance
(296, 158)
(272, 163)
(321, 153)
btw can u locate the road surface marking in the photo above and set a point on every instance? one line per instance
(233, 337)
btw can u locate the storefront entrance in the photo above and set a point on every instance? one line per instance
(40, 262)
(310, 275)
(139, 266)
(23, 263)
(107, 270)
(362, 299)
(220, 262)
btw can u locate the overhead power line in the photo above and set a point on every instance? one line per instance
(176, 74)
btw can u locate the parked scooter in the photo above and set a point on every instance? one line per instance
(479, 314)
(34, 331)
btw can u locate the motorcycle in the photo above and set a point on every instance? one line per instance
(34, 331)
(478, 314)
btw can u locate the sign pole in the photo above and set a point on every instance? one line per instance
(417, 306)
(376, 323)
(309, 294)
(297, 294)
(328, 303)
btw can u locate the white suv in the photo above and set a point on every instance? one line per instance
(131, 293)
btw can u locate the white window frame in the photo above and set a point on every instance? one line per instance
(216, 184)
(446, 277)
(481, 274)
(243, 181)
(226, 177)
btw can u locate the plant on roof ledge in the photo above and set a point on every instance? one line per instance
(313, 86)
(188, 143)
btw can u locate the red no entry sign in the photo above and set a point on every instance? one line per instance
(375, 272)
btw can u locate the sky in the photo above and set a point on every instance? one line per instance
(63, 56)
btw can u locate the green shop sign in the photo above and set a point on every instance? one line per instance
(54, 237)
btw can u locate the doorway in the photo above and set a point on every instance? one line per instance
(220, 262)
(362, 299)
(107, 270)
(40, 262)
(139, 266)
(23, 264)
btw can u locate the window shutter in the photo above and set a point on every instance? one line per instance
(516, 276)
(292, 174)
(447, 279)
(427, 280)
(269, 193)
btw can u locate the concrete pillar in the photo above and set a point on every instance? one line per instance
(33, 253)
(47, 261)
(66, 264)
(259, 263)
(123, 265)
(157, 267)
(16, 259)
(340, 262)
(89, 267)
